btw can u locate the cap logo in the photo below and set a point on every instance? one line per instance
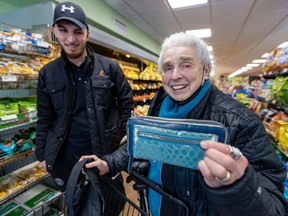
(64, 8)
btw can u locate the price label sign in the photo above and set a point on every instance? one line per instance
(8, 117)
(9, 78)
(32, 116)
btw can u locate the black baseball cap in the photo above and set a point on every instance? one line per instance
(72, 12)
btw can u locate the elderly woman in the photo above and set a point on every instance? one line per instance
(251, 182)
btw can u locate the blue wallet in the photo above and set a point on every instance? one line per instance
(171, 141)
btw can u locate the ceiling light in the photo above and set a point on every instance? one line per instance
(210, 48)
(201, 33)
(246, 68)
(265, 55)
(252, 65)
(259, 61)
(235, 73)
(283, 45)
(185, 3)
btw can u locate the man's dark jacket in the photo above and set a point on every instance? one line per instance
(109, 103)
(259, 192)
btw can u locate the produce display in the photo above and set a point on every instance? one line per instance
(279, 89)
(130, 74)
(141, 110)
(144, 85)
(277, 61)
(283, 135)
(149, 74)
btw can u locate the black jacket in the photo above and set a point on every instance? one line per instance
(109, 103)
(259, 192)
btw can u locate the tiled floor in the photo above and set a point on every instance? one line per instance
(131, 195)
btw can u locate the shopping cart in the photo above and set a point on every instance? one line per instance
(53, 207)
(143, 185)
(118, 201)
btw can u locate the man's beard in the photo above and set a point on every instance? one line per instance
(76, 55)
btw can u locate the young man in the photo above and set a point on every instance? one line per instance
(84, 101)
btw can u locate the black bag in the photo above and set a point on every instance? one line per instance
(83, 195)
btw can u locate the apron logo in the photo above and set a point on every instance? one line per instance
(101, 73)
(64, 8)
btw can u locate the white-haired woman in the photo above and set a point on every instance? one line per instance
(251, 183)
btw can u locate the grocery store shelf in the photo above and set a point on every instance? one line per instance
(13, 158)
(24, 188)
(18, 125)
(276, 145)
(17, 93)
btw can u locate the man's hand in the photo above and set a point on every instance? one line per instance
(101, 165)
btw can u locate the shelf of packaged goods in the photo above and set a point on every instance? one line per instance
(23, 55)
(17, 93)
(277, 106)
(273, 104)
(274, 74)
(276, 143)
(24, 188)
(18, 125)
(15, 157)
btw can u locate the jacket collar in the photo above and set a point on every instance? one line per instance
(89, 61)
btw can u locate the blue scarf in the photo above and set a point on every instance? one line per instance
(170, 109)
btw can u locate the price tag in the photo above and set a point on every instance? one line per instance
(42, 44)
(9, 78)
(32, 116)
(8, 117)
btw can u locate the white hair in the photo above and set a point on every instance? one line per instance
(182, 39)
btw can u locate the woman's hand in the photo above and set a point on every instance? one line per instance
(101, 165)
(218, 166)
